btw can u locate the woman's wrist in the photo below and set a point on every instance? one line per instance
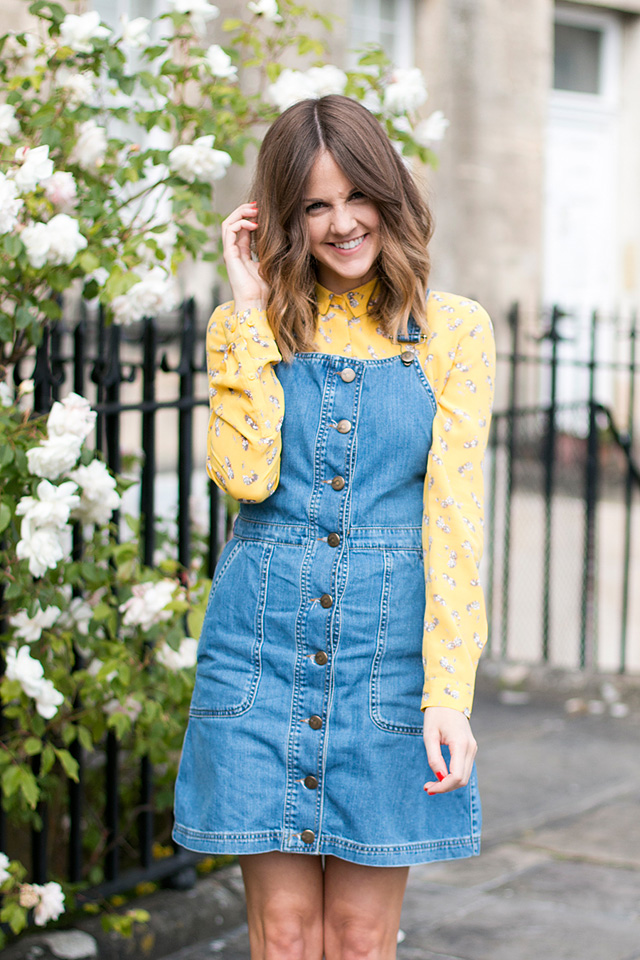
(242, 305)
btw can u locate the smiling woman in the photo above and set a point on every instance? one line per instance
(348, 597)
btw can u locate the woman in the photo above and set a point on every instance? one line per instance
(349, 415)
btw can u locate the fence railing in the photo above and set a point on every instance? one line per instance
(562, 523)
(563, 482)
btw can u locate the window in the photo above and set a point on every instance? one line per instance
(389, 23)
(577, 59)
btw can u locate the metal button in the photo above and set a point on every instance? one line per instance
(347, 375)
(326, 600)
(307, 836)
(338, 483)
(311, 782)
(407, 357)
(333, 539)
(344, 426)
(315, 722)
(321, 658)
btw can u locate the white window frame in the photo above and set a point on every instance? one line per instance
(611, 52)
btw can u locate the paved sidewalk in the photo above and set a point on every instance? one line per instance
(559, 876)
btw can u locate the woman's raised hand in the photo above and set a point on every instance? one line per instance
(249, 289)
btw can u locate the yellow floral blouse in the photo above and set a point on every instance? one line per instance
(458, 358)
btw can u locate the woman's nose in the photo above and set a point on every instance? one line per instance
(343, 220)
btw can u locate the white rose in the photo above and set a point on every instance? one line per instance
(51, 903)
(199, 10)
(135, 33)
(9, 126)
(147, 605)
(35, 238)
(24, 668)
(80, 87)
(90, 146)
(78, 615)
(219, 63)
(65, 239)
(131, 708)
(406, 92)
(10, 204)
(327, 80)
(199, 161)
(432, 129)
(99, 497)
(60, 189)
(6, 394)
(52, 506)
(43, 547)
(54, 456)
(79, 32)
(155, 292)
(4, 863)
(29, 628)
(265, 8)
(291, 86)
(23, 53)
(35, 166)
(48, 699)
(73, 414)
(182, 658)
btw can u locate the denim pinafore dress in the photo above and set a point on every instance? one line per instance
(305, 728)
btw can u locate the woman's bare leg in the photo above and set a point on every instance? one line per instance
(284, 905)
(362, 908)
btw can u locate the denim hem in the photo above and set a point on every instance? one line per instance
(404, 855)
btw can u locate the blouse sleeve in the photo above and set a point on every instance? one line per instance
(455, 627)
(246, 402)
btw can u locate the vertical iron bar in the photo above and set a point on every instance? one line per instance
(76, 789)
(39, 835)
(111, 386)
(549, 478)
(588, 625)
(185, 432)
(148, 517)
(628, 498)
(491, 528)
(42, 375)
(514, 323)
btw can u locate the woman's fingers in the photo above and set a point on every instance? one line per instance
(443, 725)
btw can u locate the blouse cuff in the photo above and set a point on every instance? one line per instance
(443, 692)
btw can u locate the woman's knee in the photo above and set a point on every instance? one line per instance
(359, 938)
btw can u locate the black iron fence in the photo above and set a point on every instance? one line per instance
(563, 479)
(561, 556)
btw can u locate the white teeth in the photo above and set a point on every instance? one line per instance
(350, 244)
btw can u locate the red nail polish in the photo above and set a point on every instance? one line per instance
(440, 776)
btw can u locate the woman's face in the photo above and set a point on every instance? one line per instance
(343, 227)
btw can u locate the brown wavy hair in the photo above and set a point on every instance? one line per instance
(364, 153)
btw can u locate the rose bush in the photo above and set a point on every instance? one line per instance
(112, 141)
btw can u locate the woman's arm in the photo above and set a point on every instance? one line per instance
(246, 399)
(455, 628)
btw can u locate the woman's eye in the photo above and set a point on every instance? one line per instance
(318, 205)
(357, 195)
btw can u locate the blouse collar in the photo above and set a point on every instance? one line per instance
(355, 302)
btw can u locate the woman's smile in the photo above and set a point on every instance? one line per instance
(343, 227)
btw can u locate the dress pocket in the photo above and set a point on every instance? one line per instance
(229, 651)
(397, 674)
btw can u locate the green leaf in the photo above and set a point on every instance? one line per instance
(13, 590)
(5, 516)
(32, 746)
(6, 456)
(69, 764)
(232, 24)
(6, 328)
(11, 780)
(24, 317)
(13, 245)
(29, 788)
